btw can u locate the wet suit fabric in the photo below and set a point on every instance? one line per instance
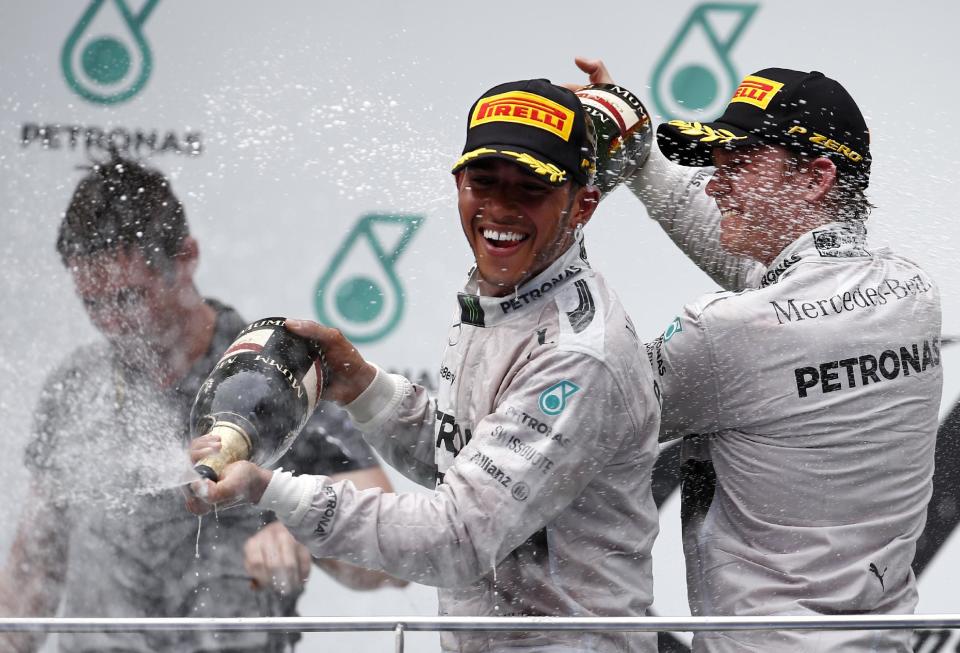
(540, 445)
(814, 385)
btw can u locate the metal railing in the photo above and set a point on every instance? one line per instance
(401, 625)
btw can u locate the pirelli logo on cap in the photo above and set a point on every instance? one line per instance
(525, 109)
(757, 91)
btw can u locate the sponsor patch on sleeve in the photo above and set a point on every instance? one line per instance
(327, 513)
(554, 399)
(672, 329)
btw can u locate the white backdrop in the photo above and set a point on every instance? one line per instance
(304, 117)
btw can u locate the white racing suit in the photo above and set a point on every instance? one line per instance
(540, 446)
(816, 393)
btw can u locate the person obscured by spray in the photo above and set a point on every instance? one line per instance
(103, 532)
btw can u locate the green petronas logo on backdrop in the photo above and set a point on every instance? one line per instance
(695, 77)
(360, 292)
(106, 58)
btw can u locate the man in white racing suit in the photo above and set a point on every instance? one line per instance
(542, 440)
(814, 383)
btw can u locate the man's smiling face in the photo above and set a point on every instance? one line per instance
(516, 223)
(761, 193)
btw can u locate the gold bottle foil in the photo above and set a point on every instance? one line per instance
(234, 445)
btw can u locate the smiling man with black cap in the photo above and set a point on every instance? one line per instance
(541, 441)
(814, 385)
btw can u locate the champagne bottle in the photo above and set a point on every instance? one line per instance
(258, 397)
(624, 132)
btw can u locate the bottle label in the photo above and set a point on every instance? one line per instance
(624, 132)
(253, 341)
(606, 105)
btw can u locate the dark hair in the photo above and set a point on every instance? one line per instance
(851, 201)
(123, 204)
(847, 198)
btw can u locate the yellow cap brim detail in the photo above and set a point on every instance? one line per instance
(706, 133)
(554, 174)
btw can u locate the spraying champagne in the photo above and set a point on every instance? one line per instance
(258, 396)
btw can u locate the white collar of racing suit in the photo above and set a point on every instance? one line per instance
(832, 240)
(483, 311)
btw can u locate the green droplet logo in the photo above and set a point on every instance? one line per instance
(695, 76)
(360, 292)
(106, 58)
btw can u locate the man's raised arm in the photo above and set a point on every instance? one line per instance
(674, 197)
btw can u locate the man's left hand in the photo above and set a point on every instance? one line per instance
(275, 560)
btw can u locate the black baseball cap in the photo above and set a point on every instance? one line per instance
(538, 125)
(808, 113)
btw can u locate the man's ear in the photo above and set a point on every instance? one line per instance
(587, 199)
(187, 258)
(823, 177)
(457, 176)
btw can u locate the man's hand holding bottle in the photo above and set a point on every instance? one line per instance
(244, 481)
